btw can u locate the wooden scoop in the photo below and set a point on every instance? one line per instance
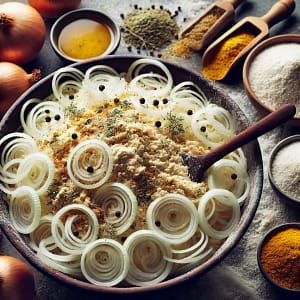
(259, 26)
(227, 10)
(197, 165)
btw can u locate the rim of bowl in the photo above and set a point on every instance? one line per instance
(283, 143)
(84, 13)
(245, 221)
(262, 242)
(275, 40)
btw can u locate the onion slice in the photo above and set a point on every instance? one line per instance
(119, 205)
(36, 170)
(174, 217)
(90, 164)
(105, 262)
(25, 209)
(219, 213)
(147, 252)
(64, 234)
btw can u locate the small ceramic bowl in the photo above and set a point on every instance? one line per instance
(259, 104)
(271, 233)
(278, 187)
(80, 15)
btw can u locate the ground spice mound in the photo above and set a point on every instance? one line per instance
(152, 29)
(280, 258)
(192, 40)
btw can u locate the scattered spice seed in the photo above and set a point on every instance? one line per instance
(155, 102)
(158, 124)
(90, 169)
(74, 136)
(101, 87)
(142, 100)
(48, 119)
(118, 214)
(203, 128)
(71, 97)
(116, 100)
(47, 111)
(165, 101)
(57, 117)
(189, 112)
(157, 223)
(233, 176)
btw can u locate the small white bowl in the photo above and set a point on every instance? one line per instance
(79, 14)
(283, 143)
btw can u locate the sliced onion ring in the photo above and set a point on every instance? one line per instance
(63, 235)
(105, 262)
(119, 205)
(146, 250)
(25, 209)
(228, 201)
(174, 217)
(93, 154)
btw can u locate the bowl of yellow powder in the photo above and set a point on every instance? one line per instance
(84, 34)
(284, 169)
(278, 256)
(271, 74)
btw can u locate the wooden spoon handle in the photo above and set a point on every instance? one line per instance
(235, 3)
(269, 122)
(279, 11)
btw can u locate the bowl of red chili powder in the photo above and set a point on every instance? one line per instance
(278, 257)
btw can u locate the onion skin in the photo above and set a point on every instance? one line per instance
(16, 279)
(54, 8)
(22, 32)
(13, 82)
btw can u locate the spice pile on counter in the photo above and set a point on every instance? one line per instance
(149, 28)
(286, 170)
(192, 40)
(274, 75)
(280, 258)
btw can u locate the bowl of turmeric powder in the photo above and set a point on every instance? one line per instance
(271, 74)
(278, 257)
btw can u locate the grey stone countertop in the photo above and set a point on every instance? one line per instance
(237, 276)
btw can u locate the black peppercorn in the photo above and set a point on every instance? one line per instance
(57, 117)
(74, 136)
(142, 100)
(47, 111)
(233, 176)
(189, 112)
(116, 100)
(158, 124)
(118, 214)
(90, 169)
(165, 101)
(155, 102)
(101, 87)
(48, 119)
(203, 128)
(157, 223)
(71, 97)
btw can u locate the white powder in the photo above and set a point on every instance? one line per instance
(286, 170)
(274, 75)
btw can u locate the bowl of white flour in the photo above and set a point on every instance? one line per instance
(271, 74)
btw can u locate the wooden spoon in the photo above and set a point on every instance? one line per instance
(197, 165)
(227, 11)
(259, 26)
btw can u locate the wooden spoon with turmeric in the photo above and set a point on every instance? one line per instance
(232, 47)
(203, 29)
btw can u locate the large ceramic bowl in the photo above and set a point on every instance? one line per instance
(11, 123)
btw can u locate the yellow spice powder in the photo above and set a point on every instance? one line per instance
(219, 63)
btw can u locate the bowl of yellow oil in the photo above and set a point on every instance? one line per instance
(84, 34)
